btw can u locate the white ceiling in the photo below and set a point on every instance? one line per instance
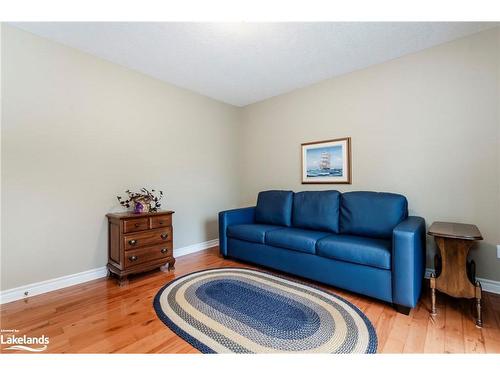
(242, 63)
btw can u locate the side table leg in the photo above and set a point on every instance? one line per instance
(479, 317)
(123, 280)
(171, 265)
(433, 295)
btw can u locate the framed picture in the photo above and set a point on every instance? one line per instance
(327, 162)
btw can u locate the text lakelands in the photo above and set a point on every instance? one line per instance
(23, 340)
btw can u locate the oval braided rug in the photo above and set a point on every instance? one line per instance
(238, 310)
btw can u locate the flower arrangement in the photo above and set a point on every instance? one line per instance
(142, 201)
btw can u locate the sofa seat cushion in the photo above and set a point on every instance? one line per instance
(317, 210)
(251, 232)
(371, 214)
(274, 207)
(295, 239)
(361, 250)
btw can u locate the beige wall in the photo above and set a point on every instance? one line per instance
(77, 131)
(498, 121)
(425, 125)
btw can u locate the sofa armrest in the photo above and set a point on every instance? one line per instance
(408, 261)
(233, 217)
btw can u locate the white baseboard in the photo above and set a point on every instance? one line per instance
(196, 247)
(487, 285)
(34, 289)
(46, 286)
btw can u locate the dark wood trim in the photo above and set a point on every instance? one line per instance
(455, 230)
(325, 141)
(131, 215)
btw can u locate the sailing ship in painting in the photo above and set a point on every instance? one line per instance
(324, 167)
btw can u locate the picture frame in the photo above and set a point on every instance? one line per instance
(327, 162)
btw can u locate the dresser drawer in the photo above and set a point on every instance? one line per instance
(135, 225)
(161, 221)
(146, 254)
(152, 237)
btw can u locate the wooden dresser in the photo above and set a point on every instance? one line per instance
(139, 242)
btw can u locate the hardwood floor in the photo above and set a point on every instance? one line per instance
(100, 317)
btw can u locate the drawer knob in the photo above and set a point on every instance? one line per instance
(161, 222)
(137, 225)
(132, 242)
(164, 236)
(163, 251)
(133, 258)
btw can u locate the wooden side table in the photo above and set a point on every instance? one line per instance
(139, 242)
(454, 241)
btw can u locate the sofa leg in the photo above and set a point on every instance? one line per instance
(402, 309)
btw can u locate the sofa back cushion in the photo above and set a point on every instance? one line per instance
(274, 207)
(318, 210)
(371, 214)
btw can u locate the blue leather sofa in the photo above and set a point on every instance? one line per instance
(361, 241)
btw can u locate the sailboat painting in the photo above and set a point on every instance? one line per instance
(327, 162)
